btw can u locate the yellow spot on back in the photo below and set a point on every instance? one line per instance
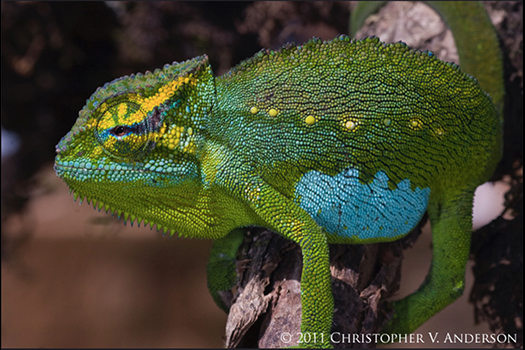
(350, 125)
(416, 123)
(254, 110)
(310, 120)
(272, 112)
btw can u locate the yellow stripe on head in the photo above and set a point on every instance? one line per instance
(166, 92)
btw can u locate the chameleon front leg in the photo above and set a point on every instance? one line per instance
(221, 269)
(282, 215)
(451, 222)
(270, 209)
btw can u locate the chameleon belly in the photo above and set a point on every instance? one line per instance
(359, 212)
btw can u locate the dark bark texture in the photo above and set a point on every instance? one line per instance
(267, 300)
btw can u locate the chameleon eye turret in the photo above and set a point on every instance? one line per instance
(124, 129)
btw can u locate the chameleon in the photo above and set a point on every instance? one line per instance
(342, 141)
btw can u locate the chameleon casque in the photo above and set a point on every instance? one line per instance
(345, 141)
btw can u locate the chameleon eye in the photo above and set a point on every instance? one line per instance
(124, 129)
(119, 130)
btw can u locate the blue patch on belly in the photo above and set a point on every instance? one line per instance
(349, 209)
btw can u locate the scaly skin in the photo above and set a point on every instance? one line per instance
(475, 37)
(328, 142)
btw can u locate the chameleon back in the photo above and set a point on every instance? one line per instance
(358, 133)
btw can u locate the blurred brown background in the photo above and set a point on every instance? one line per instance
(73, 277)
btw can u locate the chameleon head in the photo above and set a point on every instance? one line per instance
(134, 142)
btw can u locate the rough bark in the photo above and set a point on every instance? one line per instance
(267, 297)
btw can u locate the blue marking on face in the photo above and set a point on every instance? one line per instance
(349, 209)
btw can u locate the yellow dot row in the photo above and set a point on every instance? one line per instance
(310, 120)
(350, 125)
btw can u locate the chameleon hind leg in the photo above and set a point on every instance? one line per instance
(451, 222)
(221, 269)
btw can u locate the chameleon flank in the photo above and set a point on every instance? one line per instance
(346, 141)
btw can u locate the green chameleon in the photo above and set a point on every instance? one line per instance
(346, 141)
